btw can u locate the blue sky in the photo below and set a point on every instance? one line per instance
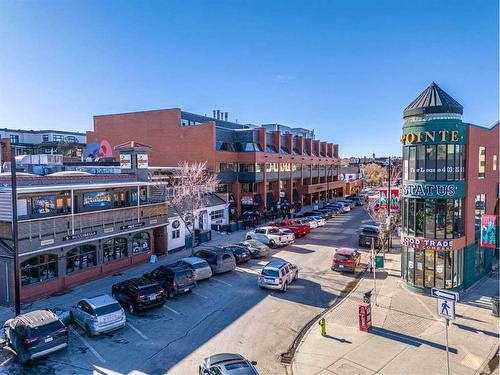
(344, 68)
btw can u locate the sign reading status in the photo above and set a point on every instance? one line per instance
(433, 190)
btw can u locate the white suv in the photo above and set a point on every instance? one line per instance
(271, 236)
(277, 274)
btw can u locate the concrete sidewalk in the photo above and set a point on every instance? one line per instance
(407, 336)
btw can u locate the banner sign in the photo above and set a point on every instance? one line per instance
(434, 190)
(488, 231)
(44, 205)
(132, 226)
(419, 243)
(79, 236)
(125, 161)
(393, 199)
(142, 160)
(97, 199)
(433, 133)
(247, 200)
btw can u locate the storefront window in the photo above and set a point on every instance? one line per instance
(420, 167)
(140, 242)
(81, 258)
(440, 269)
(440, 218)
(450, 168)
(419, 217)
(411, 265)
(411, 163)
(430, 218)
(430, 162)
(419, 269)
(114, 248)
(429, 268)
(411, 217)
(441, 163)
(38, 268)
(448, 269)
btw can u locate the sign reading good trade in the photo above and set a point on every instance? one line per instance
(429, 190)
(419, 243)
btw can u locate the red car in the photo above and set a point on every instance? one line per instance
(346, 259)
(300, 230)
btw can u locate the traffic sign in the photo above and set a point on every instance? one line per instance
(446, 308)
(444, 294)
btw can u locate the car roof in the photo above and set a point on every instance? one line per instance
(38, 318)
(141, 282)
(193, 260)
(369, 227)
(345, 250)
(214, 249)
(100, 300)
(224, 357)
(275, 264)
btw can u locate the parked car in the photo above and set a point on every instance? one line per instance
(271, 236)
(174, 279)
(241, 253)
(319, 220)
(298, 229)
(35, 334)
(358, 200)
(313, 224)
(315, 213)
(346, 259)
(139, 294)
(257, 249)
(369, 233)
(219, 259)
(350, 202)
(201, 269)
(340, 207)
(98, 314)
(227, 364)
(277, 274)
(325, 212)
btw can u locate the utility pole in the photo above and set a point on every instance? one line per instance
(15, 240)
(389, 208)
(374, 273)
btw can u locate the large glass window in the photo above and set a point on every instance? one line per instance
(81, 258)
(140, 242)
(429, 268)
(420, 166)
(114, 248)
(448, 282)
(411, 217)
(411, 265)
(430, 218)
(38, 268)
(482, 162)
(439, 269)
(411, 162)
(419, 217)
(419, 268)
(430, 162)
(440, 218)
(450, 168)
(441, 163)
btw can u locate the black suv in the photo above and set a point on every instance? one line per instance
(175, 279)
(369, 232)
(138, 294)
(241, 253)
(35, 334)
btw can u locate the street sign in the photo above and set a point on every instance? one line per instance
(444, 294)
(446, 308)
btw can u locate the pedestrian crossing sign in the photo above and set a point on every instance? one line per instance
(446, 308)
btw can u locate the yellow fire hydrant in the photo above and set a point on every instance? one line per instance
(322, 324)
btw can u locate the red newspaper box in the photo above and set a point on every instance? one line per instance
(365, 317)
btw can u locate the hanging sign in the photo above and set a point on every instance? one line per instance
(488, 231)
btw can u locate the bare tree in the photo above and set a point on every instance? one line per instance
(192, 185)
(375, 174)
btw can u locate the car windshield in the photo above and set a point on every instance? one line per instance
(149, 289)
(108, 309)
(236, 365)
(341, 257)
(239, 250)
(183, 273)
(287, 231)
(370, 229)
(256, 244)
(45, 329)
(260, 231)
(199, 265)
(271, 273)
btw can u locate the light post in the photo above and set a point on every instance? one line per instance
(15, 241)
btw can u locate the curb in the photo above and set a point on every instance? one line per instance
(287, 357)
(486, 363)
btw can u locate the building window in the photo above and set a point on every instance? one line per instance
(81, 258)
(57, 137)
(45, 138)
(221, 188)
(38, 268)
(71, 139)
(226, 167)
(218, 214)
(248, 188)
(140, 242)
(14, 138)
(176, 233)
(494, 162)
(479, 210)
(114, 248)
(482, 162)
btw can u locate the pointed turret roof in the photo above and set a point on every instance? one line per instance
(433, 100)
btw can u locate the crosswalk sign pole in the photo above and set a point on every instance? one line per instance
(447, 348)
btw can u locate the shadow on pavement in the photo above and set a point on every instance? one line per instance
(475, 330)
(341, 340)
(407, 339)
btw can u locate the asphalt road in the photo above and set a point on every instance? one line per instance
(225, 313)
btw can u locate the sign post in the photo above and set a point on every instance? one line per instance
(374, 273)
(446, 309)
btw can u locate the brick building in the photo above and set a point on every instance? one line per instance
(258, 166)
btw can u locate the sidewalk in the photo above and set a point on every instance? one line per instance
(407, 336)
(103, 285)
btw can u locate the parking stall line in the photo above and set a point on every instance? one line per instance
(199, 295)
(138, 332)
(171, 309)
(6, 361)
(220, 281)
(89, 347)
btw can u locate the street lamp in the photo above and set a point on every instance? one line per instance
(15, 241)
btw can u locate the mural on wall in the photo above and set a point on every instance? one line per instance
(97, 151)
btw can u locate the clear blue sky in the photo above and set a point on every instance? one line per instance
(344, 68)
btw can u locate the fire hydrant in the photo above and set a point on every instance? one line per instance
(322, 323)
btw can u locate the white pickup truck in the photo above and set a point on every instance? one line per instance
(272, 236)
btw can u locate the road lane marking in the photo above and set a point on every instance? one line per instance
(7, 360)
(138, 332)
(220, 281)
(89, 347)
(249, 270)
(171, 309)
(199, 295)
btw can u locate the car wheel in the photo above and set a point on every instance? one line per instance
(87, 330)
(131, 308)
(296, 277)
(285, 287)
(272, 244)
(71, 317)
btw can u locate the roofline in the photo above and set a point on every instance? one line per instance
(134, 112)
(491, 127)
(44, 131)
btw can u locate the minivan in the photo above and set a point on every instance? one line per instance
(218, 258)
(138, 294)
(346, 259)
(174, 279)
(201, 269)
